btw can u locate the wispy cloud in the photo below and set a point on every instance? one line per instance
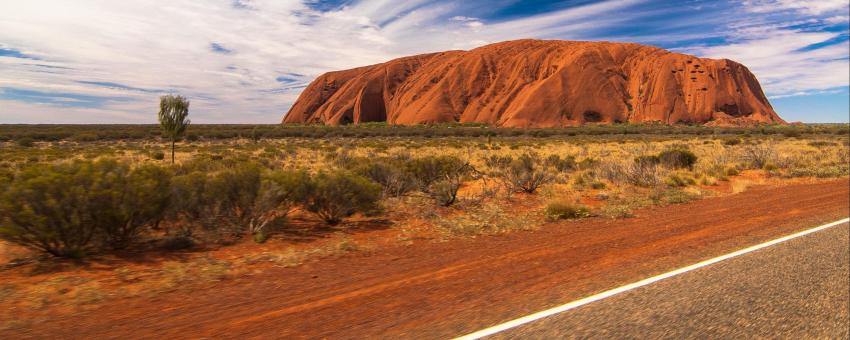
(57, 98)
(808, 7)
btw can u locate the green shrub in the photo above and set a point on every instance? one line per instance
(191, 203)
(677, 196)
(679, 180)
(445, 191)
(390, 174)
(792, 133)
(158, 155)
(46, 207)
(6, 177)
(63, 209)
(333, 196)
(260, 236)
(677, 158)
(280, 192)
(562, 211)
(427, 170)
(233, 192)
(127, 200)
(26, 142)
(561, 164)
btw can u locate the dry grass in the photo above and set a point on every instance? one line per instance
(605, 180)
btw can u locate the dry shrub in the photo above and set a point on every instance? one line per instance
(562, 210)
(525, 174)
(643, 174)
(757, 156)
(488, 218)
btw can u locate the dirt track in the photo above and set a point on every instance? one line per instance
(440, 290)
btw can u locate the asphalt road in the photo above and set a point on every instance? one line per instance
(795, 289)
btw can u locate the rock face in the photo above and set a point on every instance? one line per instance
(536, 83)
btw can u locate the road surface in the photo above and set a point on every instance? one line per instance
(795, 289)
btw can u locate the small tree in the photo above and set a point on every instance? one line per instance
(173, 111)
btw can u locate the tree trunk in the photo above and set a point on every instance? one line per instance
(172, 151)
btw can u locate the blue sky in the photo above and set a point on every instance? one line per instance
(246, 61)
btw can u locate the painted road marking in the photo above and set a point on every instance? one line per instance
(608, 293)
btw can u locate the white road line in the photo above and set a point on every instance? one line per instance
(608, 293)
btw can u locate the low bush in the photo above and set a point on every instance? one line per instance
(567, 163)
(233, 193)
(642, 173)
(126, 201)
(63, 209)
(679, 180)
(445, 191)
(525, 174)
(757, 156)
(26, 142)
(497, 162)
(677, 158)
(647, 160)
(333, 196)
(279, 194)
(427, 170)
(191, 203)
(46, 207)
(732, 141)
(391, 174)
(562, 211)
(597, 185)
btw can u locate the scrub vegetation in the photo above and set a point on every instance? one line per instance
(283, 195)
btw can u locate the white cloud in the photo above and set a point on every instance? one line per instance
(781, 61)
(837, 19)
(805, 93)
(463, 18)
(810, 7)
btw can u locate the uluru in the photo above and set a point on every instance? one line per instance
(539, 83)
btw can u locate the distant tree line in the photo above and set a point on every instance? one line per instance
(110, 132)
